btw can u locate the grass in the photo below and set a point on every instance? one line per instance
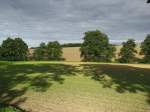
(5, 108)
(75, 87)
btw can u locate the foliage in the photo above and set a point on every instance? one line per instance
(0, 53)
(72, 45)
(54, 51)
(145, 49)
(96, 47)
(51, 51)
(40, 53)
(14, 50)
(127, 53)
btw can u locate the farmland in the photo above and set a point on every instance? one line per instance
(73, 53)
(75, 86)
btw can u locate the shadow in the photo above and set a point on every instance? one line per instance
(122, 78)
(17, 79)
(10, 108)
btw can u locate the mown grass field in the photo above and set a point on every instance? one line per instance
(75, 87)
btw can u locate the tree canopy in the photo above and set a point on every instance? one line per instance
(96, 47)
(54, 51)
(127, 53)
(145, 49)
(51, 51)
(14, 50)
(40, 52)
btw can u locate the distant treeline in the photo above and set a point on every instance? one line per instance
(66, 45)
(72, 45)
(95, 48)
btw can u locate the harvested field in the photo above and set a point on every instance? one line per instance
(73, 53)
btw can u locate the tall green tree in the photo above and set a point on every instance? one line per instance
(51, 51)
(0, 53)
(96, 47)
(40, 53)
(21, 49)
(127, 52)
(54, 51)
(145, 49)
(14, 50)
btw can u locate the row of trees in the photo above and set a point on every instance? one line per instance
(95, 47)
(17, 50)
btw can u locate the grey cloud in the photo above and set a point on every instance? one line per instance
(67, 20)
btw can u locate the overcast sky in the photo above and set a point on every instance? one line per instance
(67, 20)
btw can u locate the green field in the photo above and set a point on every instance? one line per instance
(6, 108)
(75, 87)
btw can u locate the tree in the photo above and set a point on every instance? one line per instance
(145, 49)
(0, 53)
(96, 47)
(51, 51)
(40, 53)
(14, 50)
(127, 53)
(54, 50)
(21, 49)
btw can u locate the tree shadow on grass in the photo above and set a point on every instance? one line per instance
(16, 79)
(120, 77)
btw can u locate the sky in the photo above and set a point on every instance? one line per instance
(66, 21)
